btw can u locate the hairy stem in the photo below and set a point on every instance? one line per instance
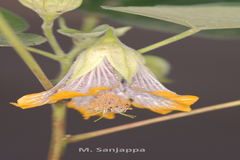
(169, 40)
(58, 142)
(88, 135)
(23, 53)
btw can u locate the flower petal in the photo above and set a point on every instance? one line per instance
(147, 92)
(120, 91)
(34, 100)
(39, 99)
(72, 94)
(164, 103)
(100, 78)
(80, 103)
(144, 81)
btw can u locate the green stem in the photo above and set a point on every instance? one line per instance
(65, 63)
(169, 40)
(62, 23)
(43, 53)
(23, 53)
(47, 29)
(88, 135)
(58, 142)
(65, 66)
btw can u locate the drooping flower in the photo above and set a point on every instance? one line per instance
(103, 80)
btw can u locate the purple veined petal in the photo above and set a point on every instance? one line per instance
(147, 92)
(144, 81)
(101, 76)
(146, 100)
(39, 99)
(81, 101)
(120, 91)
(105, 104)
(80, 104)
(84, 101)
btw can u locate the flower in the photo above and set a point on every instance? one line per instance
(103, 80)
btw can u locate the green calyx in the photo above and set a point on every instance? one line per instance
(50, 9)
(122, 58)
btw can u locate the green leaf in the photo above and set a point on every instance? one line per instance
(69, 32)
(98, 31)
(92, 7)
(25, 38)
(17, 23)
(192, 16)
(159, 66)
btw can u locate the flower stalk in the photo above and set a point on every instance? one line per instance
(47, 29)
(169, 40)
(84, 136)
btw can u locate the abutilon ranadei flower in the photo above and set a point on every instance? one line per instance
(104, 78)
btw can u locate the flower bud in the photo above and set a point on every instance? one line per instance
(51, 8)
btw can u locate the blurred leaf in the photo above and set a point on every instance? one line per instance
(192, 16)
(25, 38)
(159, 66)
(122, 30)
(17, 23)
(153, 24)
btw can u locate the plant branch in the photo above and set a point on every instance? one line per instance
(23, 53)
(88, 135)
(169, 40)
(58, 142)
(44, 53)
